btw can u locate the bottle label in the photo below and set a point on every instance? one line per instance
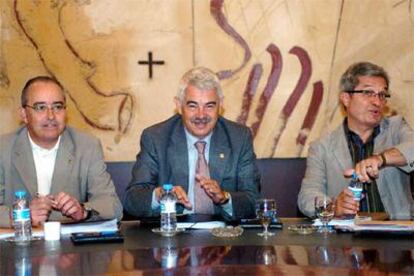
(357, 193)
(168, 207)
(21, 215)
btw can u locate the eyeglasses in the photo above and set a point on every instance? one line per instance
(42, 107)
(371, 94)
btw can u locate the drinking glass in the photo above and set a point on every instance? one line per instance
(324, 210)
(265, 212)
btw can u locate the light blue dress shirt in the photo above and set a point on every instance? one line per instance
(192, 160)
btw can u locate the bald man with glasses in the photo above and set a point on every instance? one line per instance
(61, 169)
(379, 150)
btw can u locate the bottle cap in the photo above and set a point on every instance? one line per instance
(354, 176)
(167, 187)
(20, 194)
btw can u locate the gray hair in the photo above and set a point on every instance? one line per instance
(202, 78)
(25, 90)
(349, 79)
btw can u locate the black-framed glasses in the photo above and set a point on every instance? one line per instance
(371, 94)
(43, 107)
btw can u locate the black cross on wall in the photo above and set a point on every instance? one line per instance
(150, 62)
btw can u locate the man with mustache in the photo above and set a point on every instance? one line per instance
(61, 169)
(380, 151)
(170, 152)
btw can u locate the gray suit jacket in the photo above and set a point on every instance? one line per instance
(329, 157)
(79, 171)
(164, 159)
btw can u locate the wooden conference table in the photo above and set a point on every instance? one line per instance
(199, 252)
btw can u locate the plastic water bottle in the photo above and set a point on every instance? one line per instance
(355, 186)
(168, 211)
(21, 217)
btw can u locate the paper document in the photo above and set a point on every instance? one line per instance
(10, 233)
(87, 227)
(81, 227)
(344, 222)
(336, 222)
(201, 225)
(385, 226)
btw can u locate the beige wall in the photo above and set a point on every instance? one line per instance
(93, 48)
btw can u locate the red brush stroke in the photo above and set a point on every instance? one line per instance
(310, 117)
(249, 92)
(215, 10)
(297, 92)
(271, 84)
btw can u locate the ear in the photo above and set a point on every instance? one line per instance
(345, 98)
(178, 105)
(23, 114)
(221, 107)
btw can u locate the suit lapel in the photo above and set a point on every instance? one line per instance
(64, 163)
(219, 153)
(178, 162)
(380, 144)
(340, 148)
(24, 163)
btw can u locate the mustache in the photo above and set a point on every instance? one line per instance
(201, 120)
(51, 122)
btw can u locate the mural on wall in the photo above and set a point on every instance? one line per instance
(279, 61)
(41, 23)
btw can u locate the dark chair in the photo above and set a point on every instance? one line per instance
(281, 180)
(121, 175)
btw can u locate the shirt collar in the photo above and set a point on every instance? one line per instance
(355, 137)
(36, 147)
(191, 139)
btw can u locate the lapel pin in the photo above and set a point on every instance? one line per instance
(221, 155)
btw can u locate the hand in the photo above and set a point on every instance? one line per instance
(366, 169)
(346, 204)
(40, 209)
(179, 192)
(212, 189)
(69, 206)
(182, 197)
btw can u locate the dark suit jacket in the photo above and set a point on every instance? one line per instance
(79, 171)
(164, 159)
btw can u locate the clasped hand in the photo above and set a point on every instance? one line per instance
(210, 186)
(42, 206)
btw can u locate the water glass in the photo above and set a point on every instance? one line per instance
(324, 210)
(265, 212)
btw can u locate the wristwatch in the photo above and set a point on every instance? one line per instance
(226, 198)
(89, 211)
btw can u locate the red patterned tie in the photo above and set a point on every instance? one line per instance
(202, 203)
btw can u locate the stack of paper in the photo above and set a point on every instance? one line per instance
(201, 225)
(82, 227)
(391, 225)
(88, 227)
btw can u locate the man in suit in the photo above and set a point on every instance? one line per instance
(61, 169)
(380, 150)
(169, 155)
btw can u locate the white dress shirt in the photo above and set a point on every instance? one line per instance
(44, 160)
